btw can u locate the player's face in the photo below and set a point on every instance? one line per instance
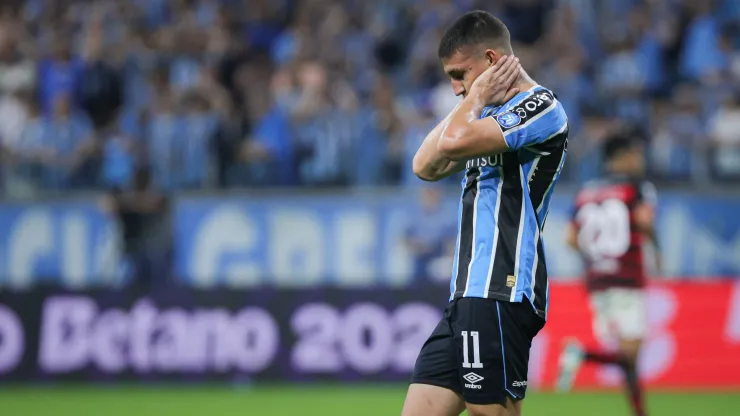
(465, 66)
(638, 159)
(633, 160)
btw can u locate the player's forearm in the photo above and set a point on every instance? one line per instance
(452, 143)
(429, 164)
(651, 236)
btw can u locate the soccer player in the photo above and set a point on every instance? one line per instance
(612, 218)
(510, 135)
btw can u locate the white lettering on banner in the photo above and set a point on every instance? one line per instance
(74, 240)
(256, 340)
(296, 248)
(107, 339)
(366, 338)
(42, 242)
(171, 340)
(75, 334)
(30, 239)
(225, 230)
(12, 340)
(708, 254)
(413, 323)
(371, 321)
(733, 316)
(63, 345)
(143, 320)
(355, 249)
(107, 264)
(398, 266)
(316, 325)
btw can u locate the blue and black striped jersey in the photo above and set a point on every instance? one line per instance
(505, 200)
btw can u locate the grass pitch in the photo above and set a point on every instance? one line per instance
(320, 400)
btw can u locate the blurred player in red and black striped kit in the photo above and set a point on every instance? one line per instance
(612, 220)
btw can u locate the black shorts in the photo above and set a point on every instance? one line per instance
(480, 350)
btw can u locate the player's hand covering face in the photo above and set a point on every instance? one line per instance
(493, 86)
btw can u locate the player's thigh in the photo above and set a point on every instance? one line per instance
(512, 408)
(435, 384)
(493, 341)
(631, 320)
(629, 313)
(429, 400)
(619, 314)
(601, 314)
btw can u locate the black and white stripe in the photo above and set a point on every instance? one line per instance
(508, 223)
(544, 174)
(545, 171)
(466, 246)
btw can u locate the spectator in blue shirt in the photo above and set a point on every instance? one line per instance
(161, 135)
(69, 134)
(379, 147)
(323, 123)
(430, 236)
(196, 127)
(622, 80)
(702, 57)
(59, 73)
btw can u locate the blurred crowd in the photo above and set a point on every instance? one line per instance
(264, 93)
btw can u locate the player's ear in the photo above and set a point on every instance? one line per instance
(491, 56)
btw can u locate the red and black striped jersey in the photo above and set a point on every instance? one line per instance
(609, 242)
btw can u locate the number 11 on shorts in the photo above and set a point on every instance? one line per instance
(476, 350)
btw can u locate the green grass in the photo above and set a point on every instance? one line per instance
(318, 401)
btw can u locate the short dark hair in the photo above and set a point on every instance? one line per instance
(473, 29)
(617, 144)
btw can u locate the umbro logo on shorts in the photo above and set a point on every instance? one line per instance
(473, 378)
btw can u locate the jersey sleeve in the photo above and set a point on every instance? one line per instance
(536, 119)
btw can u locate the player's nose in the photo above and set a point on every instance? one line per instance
(457, 87)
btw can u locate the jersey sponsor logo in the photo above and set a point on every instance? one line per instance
(482, 162)
(519, 384)
(531, 105)
(508, 120)
(473, 380)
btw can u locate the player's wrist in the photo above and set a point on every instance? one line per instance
(478, 100)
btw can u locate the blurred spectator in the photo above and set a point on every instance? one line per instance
(702, 58)
(141, 212)
(16, 71)
(25, 152)
(161, 136)
(679, 133)
(59, 73)
(99, 90)
(623, 80)
(379, 151)
(724, 130)
(266, 154)
(323, 92)
(69, 135)
(323, 116)
(430, 237)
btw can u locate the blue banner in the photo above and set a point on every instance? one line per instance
(358, 241)
(345, 240)
(69, 242)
